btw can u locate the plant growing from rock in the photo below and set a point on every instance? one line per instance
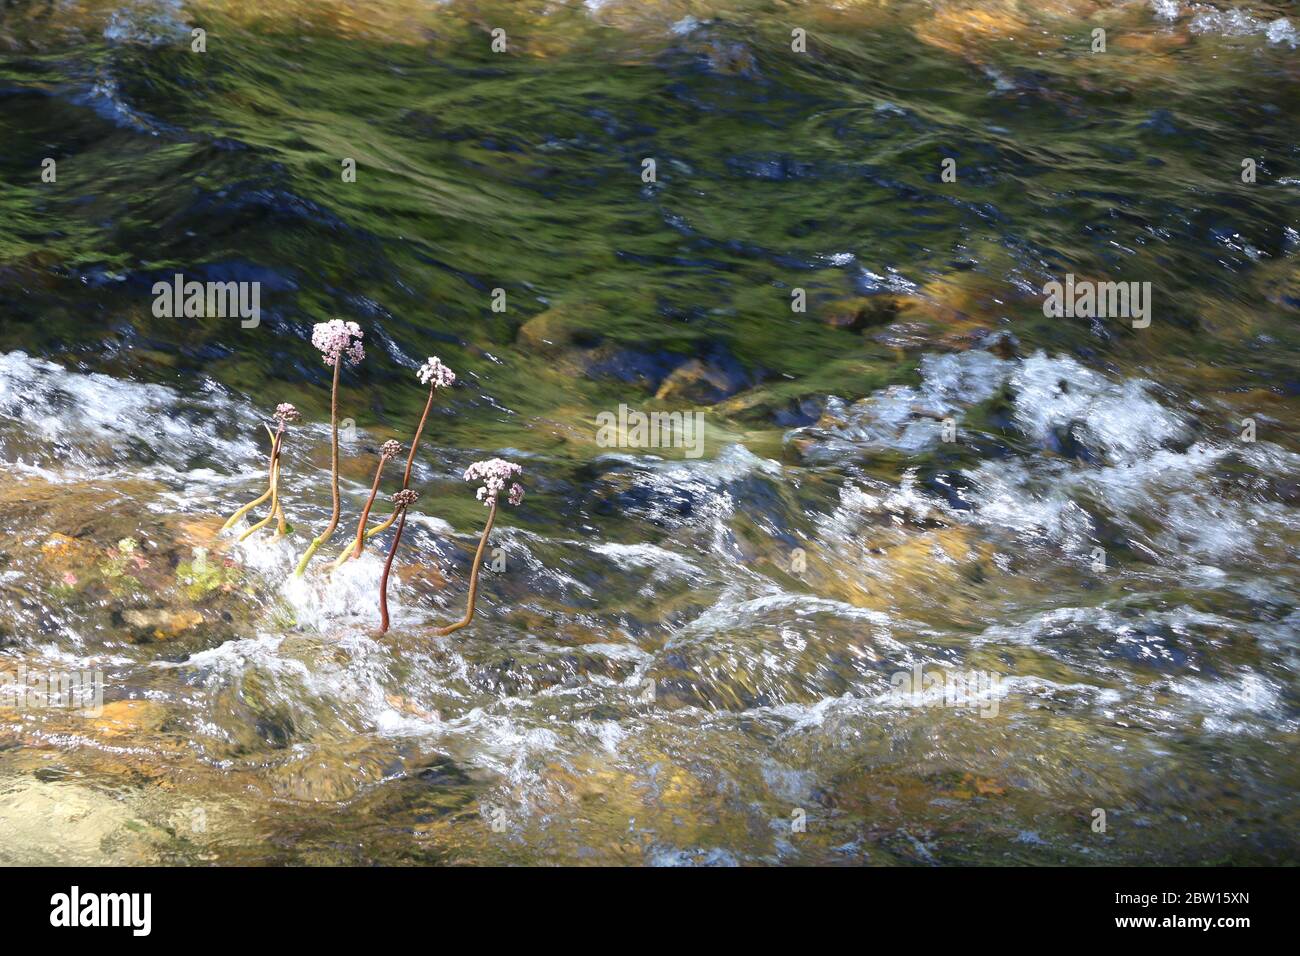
(337, 341)
(117, 566)
(390, 449)
(401, 501)
(284, 414)
(494, 473)
(202, 575)
(436, 375)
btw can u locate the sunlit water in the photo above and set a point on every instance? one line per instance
(682, 660)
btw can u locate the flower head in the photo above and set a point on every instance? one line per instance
(494, 473)
(286, 413)
(391, 449)
(435, 374)
(516, 494)
(337, 340)
(405, 498)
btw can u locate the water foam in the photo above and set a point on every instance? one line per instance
(90, 422)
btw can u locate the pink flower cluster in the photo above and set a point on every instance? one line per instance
(286, 413)
(337, 339)
(391, 449)
(434, 373)
(494, 473)
(405, 498)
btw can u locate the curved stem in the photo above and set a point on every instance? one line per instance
(233, 519)
(355, 550)
(406, 475)
(270, 482)
(379, 528)
(275, 501)
(334, 474)
(473, 576)
(277, 506)
(383, 581)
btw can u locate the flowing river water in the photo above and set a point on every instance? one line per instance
(676, 659)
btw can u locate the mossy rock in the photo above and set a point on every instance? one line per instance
(562, 328)
(862, 312)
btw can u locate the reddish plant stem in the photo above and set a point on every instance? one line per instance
(334, 443)
(410, 463)
(365, 513)
(383, 581)
(415, 442)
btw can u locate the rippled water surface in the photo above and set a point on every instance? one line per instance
(683, 660)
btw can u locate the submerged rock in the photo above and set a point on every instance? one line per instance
(69, 824)
(128, 718)
(160, 624)
(571, 338)
(108, 569)
(561, 328)
(854, 315)
(706, 380)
